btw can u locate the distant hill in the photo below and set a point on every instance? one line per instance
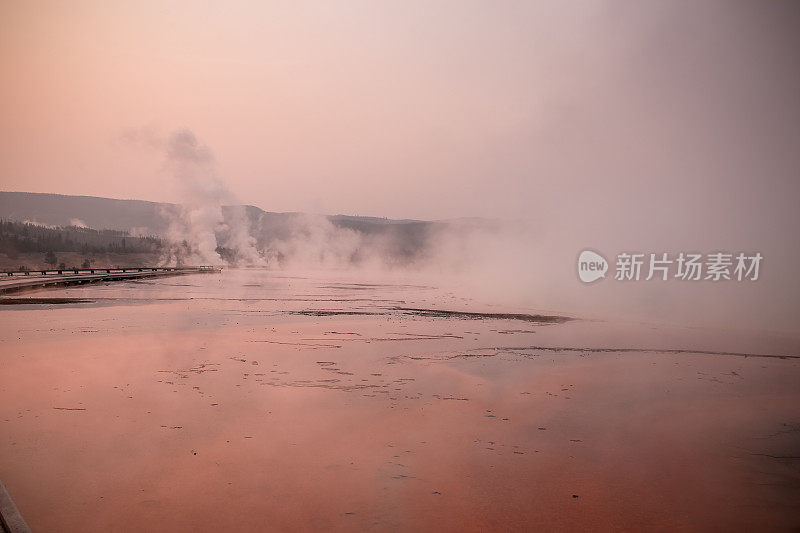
(139, 215)
(281, 235)
(94, 212)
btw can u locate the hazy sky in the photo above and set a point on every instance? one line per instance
(417, 109)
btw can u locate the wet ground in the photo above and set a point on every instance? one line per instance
(252, 401)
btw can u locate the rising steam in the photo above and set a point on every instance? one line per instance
(198, 231)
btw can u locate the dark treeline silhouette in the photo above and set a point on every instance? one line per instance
(21, 237)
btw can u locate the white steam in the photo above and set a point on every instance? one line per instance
(198, 232)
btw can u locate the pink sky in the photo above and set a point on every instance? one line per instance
(418, 109)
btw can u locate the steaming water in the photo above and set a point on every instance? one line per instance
(253, 400)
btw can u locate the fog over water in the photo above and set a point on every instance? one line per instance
(521, 263)
(647, 127)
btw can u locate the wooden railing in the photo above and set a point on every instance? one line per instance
(104, 270)
(21, 280)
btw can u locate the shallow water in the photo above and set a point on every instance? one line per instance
(251, 400)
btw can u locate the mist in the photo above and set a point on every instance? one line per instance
(618, 127)
(400, 266)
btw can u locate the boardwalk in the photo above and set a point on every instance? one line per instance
(10, 519)
(18, 281)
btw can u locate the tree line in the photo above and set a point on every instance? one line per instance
(24, 237)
